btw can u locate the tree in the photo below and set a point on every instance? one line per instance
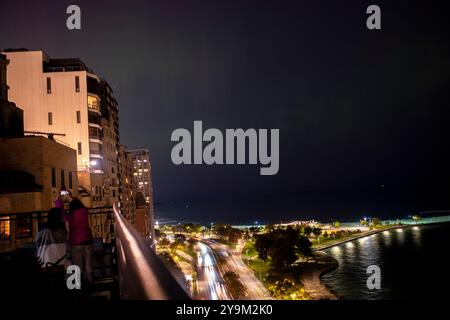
(282, 254)
(222, 230)
(317, 232)
(234, 235)
(188, 227)
(286, 289)
(307, 230)
(228, 233)
(376, 221)
(233, 284)
(304, 247)
(262, 246)
(163, 242)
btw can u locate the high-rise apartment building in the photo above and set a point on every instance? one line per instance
(142, 180)
(65, 96)
(127, 202)
(111, 143)
(33, 169)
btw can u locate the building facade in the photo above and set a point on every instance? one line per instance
(64, 96)
(33, 168)
(52, 165)
(126, 189)
(142, 184)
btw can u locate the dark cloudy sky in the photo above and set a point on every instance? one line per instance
(356, 109)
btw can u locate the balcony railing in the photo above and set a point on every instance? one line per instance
(93, 105)
(20, 229)
(142, 275)
(134, 269)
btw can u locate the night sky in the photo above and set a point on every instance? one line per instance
(361, 113)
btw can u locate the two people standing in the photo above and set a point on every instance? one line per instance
(67, 232)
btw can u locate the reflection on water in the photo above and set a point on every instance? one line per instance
(409, 259)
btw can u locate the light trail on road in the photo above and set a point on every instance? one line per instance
(210, 283)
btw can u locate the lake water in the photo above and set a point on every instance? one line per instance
(413, 264)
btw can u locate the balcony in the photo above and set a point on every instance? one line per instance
(95, 134)
(125, 267)
(94, 104)
(94, 119)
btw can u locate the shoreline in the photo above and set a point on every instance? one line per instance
(311, 276)
(363, 235)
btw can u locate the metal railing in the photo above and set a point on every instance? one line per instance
(137, 270)
(142, 275)
(19, 230)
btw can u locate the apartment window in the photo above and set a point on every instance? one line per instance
(24, 227)
(49, 85)
(53, 177)
(50, 118)
(63, 179)
(70, 180)
(78, 116)
(79, 147)
(77, 84)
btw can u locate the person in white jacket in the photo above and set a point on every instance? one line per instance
(51, 241)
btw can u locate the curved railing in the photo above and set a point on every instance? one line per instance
(141, 274)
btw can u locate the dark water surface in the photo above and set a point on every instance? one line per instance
(413, 263)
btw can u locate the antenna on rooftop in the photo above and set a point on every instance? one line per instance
(50, 135)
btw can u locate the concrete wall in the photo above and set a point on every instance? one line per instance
(21, 202)
(37, 156)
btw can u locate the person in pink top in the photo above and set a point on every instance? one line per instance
(80, 238)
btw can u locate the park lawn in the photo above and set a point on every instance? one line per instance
(260, 267)
(249, 250)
